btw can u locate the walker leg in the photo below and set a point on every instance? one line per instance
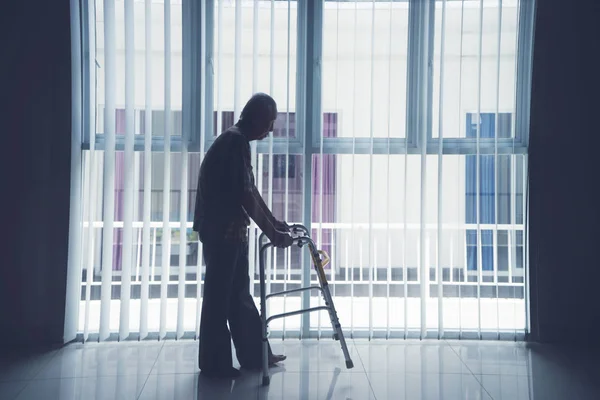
(266, 379)
(335, 322)
(263, 317)
(337, 328)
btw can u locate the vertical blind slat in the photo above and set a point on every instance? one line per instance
(497, 169)
(460, 231)
(252, 240)
(353, 195)
(183, 207)
(371, 264)
(166, 218)
(93, 162)
(237, 57)
(78, 171)
(145, 289)
(91, 244)
(440, 182)
(422, 131)
(128, 172)
(92, 176)
(109, 168)
(219, 99)
(204, 57)
(478, 172)
(388, 177)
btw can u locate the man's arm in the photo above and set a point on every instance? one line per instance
(250, 198)
(252, 203)
(263, 206)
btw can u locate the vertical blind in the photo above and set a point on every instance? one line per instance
(401, 142)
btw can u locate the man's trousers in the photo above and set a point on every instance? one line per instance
(227, 298)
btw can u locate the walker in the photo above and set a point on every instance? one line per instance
(301, 238)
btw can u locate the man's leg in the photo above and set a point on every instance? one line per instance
(244, 319)
(214, 356)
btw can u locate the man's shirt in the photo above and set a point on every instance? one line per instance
(225, 176)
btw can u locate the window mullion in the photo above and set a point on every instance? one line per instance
(193, 60)
(310, 38)
(412, 74)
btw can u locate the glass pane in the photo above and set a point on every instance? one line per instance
(226, 121)
(263, 68)
(284, 126)
(354, 51)
(504, 189)
(364, 234)
(158, 123)
(459, 88)
(324, 199)
(138, 69)
(279, 180)
(157, 207)
(487, 250)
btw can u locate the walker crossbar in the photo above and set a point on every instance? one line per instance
(302, 289)
(297, 312)
(301, 238)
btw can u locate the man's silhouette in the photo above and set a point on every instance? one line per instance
(226, 200)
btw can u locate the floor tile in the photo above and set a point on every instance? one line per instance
(494, 358)
(412, 356)
(194, 386)
(177, 358)
(24, 368)
(507, 387)
(435, 386)
(551, 388)
(317, 385)
(570, 361)
(102, 359)
(10, 390)
(316, 356)
(95, 388)
(391, 369)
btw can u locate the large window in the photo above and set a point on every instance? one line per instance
(401, 140)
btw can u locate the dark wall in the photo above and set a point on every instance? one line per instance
(565, 172)
(35, 129)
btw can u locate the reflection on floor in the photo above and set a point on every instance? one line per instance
(314, 370)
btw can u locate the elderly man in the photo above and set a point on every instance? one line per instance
(226, 200)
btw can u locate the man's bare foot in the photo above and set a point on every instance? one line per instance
(275, 358)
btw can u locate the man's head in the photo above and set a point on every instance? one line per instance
(258, 116)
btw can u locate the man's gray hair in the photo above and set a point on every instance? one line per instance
(260, 105)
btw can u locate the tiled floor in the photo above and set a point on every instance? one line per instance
(314, 370)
